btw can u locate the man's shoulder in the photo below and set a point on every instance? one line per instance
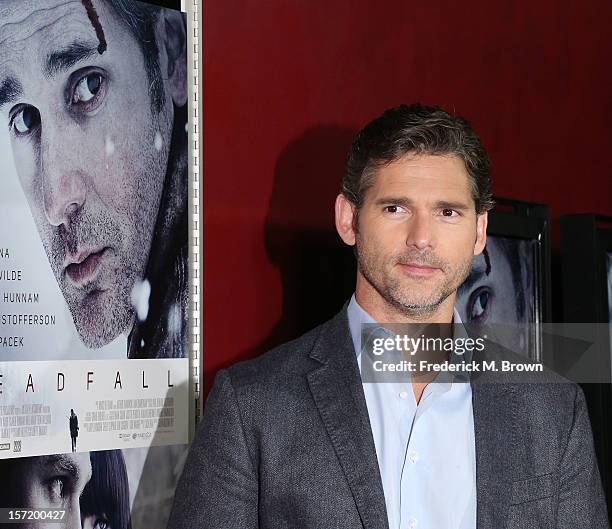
(512, 367)
(540, 388)
(549, 391)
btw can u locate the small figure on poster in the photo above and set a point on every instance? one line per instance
(74, 429)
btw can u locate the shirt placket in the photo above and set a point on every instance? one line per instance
(413, 506)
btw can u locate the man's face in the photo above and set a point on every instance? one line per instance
(54, 482)
(90, 152)
(416, 233)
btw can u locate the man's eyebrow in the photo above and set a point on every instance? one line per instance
(64, 59)
(62, 463)
(440, 204)
(10, 89)
(453, 204)
(397, 201)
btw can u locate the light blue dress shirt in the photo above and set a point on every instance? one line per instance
(426, 452)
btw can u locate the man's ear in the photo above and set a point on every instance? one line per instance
(481, 232)
(345, 219)
(172, 44)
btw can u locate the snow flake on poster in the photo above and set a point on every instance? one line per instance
(140, 299)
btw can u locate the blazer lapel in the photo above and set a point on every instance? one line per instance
(338, 394)
(494, 407)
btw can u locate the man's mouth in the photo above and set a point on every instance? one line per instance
(83, 266)
(419, 269)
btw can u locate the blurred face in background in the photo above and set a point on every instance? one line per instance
(500, 290)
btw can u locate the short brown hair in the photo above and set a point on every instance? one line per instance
(418, 129)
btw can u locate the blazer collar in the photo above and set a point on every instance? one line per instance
(338, 394)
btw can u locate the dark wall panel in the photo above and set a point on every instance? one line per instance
(287, 83)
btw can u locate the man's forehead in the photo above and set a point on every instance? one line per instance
(429, 172)
(32, 30)
(19, 14)
(24, 23)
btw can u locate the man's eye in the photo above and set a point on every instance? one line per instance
(393, 209)
(25, 120)
(447, 212)
(56, 488)
(88, 89)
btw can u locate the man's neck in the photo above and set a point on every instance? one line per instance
(384, 313)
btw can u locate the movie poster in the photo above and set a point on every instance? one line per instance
(94, 272)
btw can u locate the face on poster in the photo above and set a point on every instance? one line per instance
(94, 181)
(97, 490)
(500, 289)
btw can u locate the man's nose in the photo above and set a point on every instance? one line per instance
(63, 180)
(419, 234)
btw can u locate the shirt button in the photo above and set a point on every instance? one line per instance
(403, 395)
(414, 457)
(412, 523)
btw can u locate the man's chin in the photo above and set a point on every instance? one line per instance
(418, 294)
(412, 303)
(99, 321)
(95, 341)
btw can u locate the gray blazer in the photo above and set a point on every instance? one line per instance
(285, 442)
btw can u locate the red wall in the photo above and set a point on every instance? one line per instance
(287, 82)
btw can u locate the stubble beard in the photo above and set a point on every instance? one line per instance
(100, 313)
(384, 276)
(100, 317)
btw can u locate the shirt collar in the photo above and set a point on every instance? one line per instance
(357, 316)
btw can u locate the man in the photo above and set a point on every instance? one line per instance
(94, 93)
(74, 428)
(46, 482)
(296, 438)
